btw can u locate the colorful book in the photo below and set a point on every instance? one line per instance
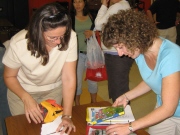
(124, 116)
(96, 130)
(97, 115)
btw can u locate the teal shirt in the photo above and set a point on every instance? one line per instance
(80, 27)
(167, 63)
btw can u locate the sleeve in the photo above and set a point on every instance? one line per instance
(170, 64)
(72, 54)
(104, 13)
(101, 17)
(10, 58)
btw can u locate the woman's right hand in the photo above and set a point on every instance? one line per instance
(32, 109)
(121, 100)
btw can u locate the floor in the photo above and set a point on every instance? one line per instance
(140, 106)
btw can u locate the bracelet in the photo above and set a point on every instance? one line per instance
(130, 127)
(66, 116)
(127, 100)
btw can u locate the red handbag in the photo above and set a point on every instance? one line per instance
(97, 75)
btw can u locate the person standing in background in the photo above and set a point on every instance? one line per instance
(166, 12)
(122, 65)
(82, 24)
(40, 64)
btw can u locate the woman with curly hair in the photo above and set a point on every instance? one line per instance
(133, 35)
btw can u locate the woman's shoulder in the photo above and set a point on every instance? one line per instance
(169, 48)
(19, 40)
(73, 33)
(18, 36)
(121, 5)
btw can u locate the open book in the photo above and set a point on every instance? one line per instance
(124, 116)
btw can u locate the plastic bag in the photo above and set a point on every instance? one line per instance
(95, 56)
(97, 75)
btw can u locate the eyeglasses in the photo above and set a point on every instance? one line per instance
(53, 39)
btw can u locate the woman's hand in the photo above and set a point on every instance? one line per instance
(121, 100)
(88, 33)
(32, 109)
(118, 129)
(66, 125)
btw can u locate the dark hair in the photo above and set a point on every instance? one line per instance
(131, 28)
(85, 9)
(47, 17)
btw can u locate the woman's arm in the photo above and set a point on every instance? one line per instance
(32, 109)
(150, 16)
(139, 90)
(170, 99)
(104, 13)
(69, 88)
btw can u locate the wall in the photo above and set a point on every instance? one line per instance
(34, 4)
(15, 11)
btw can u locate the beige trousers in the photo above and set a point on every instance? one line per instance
(170, 33)
(170, 126)
(17, 107)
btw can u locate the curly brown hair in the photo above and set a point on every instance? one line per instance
(131, 28)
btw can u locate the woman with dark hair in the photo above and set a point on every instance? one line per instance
(132, 34)
(82, 24)
(40, 64)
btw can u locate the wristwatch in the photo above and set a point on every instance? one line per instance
(130, 127)
(66, 116)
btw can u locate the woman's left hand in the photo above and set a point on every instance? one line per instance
(88, 33)
(66, 126)
(118, 129)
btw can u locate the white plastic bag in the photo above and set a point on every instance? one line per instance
(95, 56)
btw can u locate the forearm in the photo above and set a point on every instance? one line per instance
(13, 84)
(150, 16)
(139, 90)
(69, 88)
(152, 118)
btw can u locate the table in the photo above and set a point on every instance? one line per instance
(18, 125)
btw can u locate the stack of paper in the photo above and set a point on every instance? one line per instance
(50, 128)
